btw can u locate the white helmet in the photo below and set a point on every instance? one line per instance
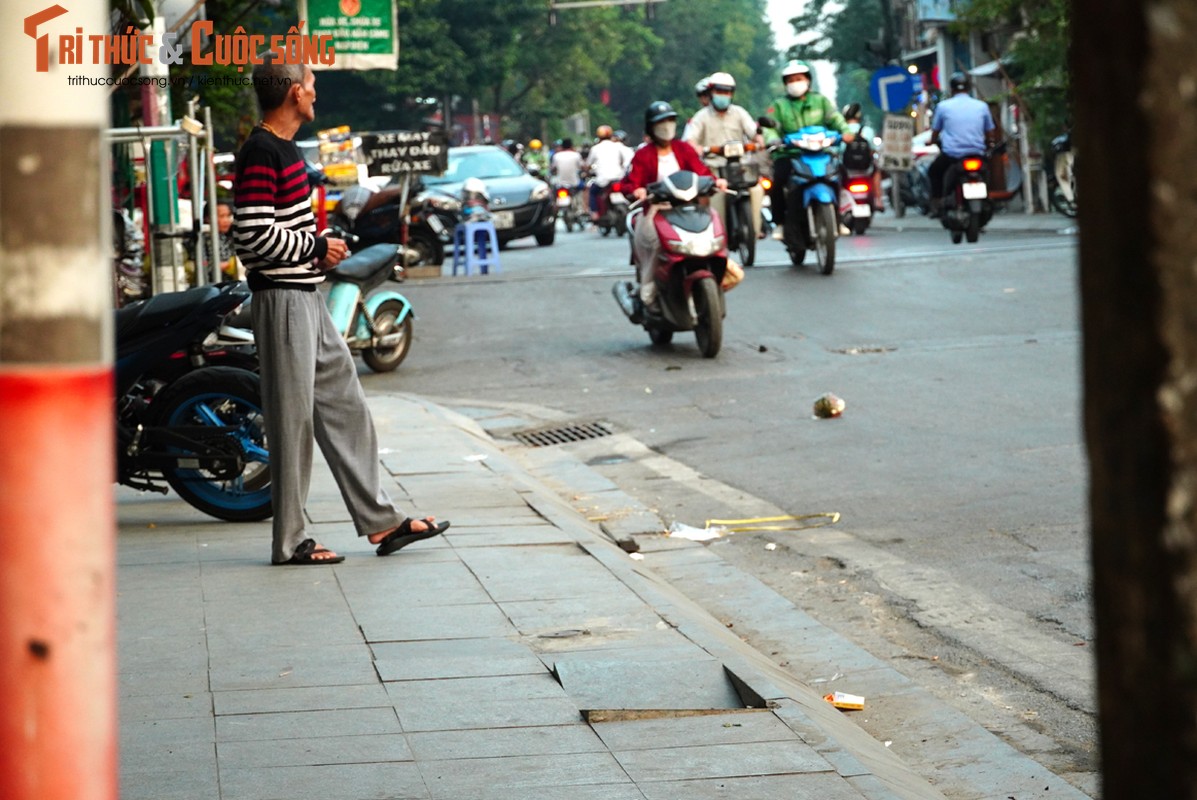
(703, 86)
(722, 80)
(795, 67)
(476, 188)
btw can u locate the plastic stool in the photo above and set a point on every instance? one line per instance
(475, 247)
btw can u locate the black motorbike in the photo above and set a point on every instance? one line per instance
(191, 422)
(369, 218)
(742, 176)
(967, 207)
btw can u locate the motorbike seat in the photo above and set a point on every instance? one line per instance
(363, 266)
(161, 310)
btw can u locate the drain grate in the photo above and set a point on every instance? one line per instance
(563, 434)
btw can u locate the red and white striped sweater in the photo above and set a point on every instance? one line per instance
(274, 230)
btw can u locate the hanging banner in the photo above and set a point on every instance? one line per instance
(364, 32)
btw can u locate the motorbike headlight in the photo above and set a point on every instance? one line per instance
(541, 192)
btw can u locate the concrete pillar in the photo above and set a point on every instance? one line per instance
(58, 731)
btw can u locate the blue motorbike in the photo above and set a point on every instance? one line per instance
(379, 326)
(812, 195)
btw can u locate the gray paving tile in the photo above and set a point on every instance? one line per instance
(661, 642)
(180, 784)
(315, 751)
(403, 624)
(622, 684)
(730, 728)
(479, 691)
(282, 667)
(175, 705)
(616, 609)
(158, 682)
(520, 516)
(414, 585)
(509, 776)
(458, 714)
(307, 724)
(454, 658)
(149, 654)
(544, 573)
(817, 786)
(494, 742)
(720, 761)
(145, 754)
(394, 781)
(307, 698)
(513, 536)
(167, 731)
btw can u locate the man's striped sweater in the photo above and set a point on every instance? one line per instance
(274, 230)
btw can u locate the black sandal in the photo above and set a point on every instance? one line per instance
(404, 535)
(306, 552)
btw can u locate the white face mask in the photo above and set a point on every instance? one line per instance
(797, 88)
(665, 131)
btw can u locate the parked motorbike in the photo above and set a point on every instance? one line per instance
(1061, 179)
(967, 207)
(812, 196)
(199, 430)
(689, 275)
(379, 325)
(741, 177)
(615, 210)
(376, 218)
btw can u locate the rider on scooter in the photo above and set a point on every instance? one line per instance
(961, 126)
(608, 161)
(664, 156)
(714, 126)
(799, 108)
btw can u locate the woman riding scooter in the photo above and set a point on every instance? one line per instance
(664, 156)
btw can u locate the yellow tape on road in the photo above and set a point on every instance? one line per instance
(759, 523)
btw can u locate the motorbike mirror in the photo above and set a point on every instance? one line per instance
(765, 122)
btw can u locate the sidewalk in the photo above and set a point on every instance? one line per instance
(1006, 220)
(521, 656)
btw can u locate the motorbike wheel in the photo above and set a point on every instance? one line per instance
(747, 244)
(860, 225)
(604, 229)
(221, 396)
(660, 336)
(957, 236)
(386, 359)
(973, 231)
(709, 331)
(825, 234)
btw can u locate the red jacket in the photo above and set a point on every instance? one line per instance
(644, 163)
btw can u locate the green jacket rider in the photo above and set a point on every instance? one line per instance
(799, 108)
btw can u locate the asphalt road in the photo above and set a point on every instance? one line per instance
(958, 467)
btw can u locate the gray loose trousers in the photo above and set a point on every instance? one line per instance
(311, 393)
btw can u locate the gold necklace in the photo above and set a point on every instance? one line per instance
(264, 125)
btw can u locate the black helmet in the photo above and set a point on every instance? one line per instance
(851, 111)
(657, 111)
(959, 82)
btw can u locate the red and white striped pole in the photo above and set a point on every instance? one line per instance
(58, 728)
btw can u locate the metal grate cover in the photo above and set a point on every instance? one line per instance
(563, 434)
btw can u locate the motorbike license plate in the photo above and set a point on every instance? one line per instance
(733, 149)
(862, 210)
(434, 222)
(974, 190)
(616, 198)
(563, 202)
(503, 220)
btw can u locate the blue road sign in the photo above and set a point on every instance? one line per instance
(891, 88)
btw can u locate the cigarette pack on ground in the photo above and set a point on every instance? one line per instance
(845, 701)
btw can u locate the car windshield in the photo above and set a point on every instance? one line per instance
(477, 164)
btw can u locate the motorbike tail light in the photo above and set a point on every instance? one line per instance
(615, 188)
(858, 188)
(563, 192)
(766, 184)
(972, 164)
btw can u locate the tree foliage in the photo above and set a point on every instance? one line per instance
(505, 56)
(1037, 56)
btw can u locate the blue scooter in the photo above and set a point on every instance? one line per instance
(379, 326)
(812, 196)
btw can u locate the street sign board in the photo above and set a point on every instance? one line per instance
(896, 135)
(891, 88)
(406, 152)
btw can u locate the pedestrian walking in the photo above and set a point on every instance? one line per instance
(310, 389)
